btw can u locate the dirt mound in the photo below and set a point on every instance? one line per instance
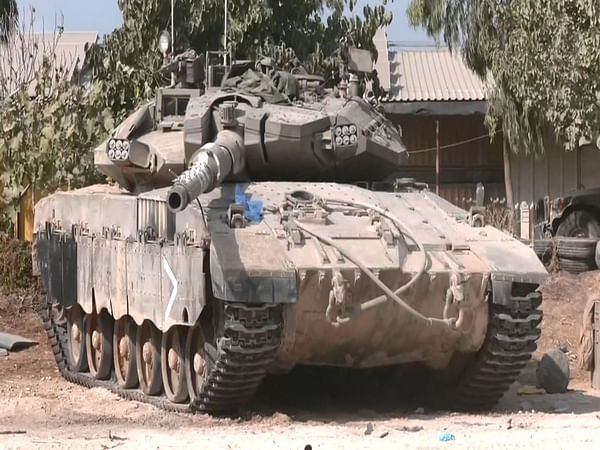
(565, 296)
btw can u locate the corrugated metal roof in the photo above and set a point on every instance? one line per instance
(69, 52)
(420, 75)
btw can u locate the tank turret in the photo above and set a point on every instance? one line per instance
(260, 124)
(146, 150)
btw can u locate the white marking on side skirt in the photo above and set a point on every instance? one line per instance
(171, 276)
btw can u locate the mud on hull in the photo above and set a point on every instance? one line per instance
(195, 367)
(217, 361)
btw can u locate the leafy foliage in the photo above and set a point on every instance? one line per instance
(543, 57)
(48, 126)
(47, 140)
(8, 15)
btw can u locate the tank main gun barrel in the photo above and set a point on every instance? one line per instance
(209, 167)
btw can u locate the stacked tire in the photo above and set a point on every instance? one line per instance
(577, 255)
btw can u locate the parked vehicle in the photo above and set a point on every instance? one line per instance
(577, 215)
(238, 245)
(569, 226)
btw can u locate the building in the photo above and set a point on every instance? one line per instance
(430, 87)
(437, 101)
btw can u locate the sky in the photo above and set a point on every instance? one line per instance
(104, 15)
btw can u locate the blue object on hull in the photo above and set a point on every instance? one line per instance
(252, 208)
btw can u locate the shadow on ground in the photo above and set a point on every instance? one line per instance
(325, 394)
(342, 395)
(575, 401)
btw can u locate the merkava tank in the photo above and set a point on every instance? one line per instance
(243, 234)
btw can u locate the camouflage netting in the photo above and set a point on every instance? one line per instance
(256, 83)
(15, 266)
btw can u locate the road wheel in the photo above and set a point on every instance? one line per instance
(99, 344)
(579, 223)
(147, 353)
(173, 364)
(124, 353)
(196, 362)
(76, 339)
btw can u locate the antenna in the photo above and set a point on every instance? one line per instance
(173, 81)
(61, 23)
(173, 26)
(225, 36)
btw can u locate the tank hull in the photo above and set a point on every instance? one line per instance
(110, 252)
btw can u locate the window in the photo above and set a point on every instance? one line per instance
(174, 106)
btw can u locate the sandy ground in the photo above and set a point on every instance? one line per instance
(38, 409)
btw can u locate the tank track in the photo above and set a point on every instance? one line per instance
(250, 342)
(513, 330)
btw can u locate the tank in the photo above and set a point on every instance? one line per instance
(259, 225)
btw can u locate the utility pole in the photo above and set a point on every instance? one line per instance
(437, 157)
(508, 185)
(173, 80)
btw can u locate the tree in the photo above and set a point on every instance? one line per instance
(48, 126)
(126, 63)
(542, 55)
(8, 15)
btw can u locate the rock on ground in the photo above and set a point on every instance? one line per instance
(553, 372)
